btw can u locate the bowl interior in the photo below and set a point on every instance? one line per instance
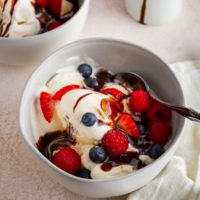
(116, 56)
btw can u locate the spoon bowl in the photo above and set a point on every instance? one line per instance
(135, 81)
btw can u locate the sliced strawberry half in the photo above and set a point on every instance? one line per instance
(47, 105)
(41, 3)
(117, 94)
(59, 94)
(127, 124)
(54, 25)
(59, 8)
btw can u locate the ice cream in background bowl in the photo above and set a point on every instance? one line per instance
(31, 29)
(88, 130)
(23, 18)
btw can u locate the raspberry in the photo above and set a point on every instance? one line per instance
(139, 101)
(54, 25)
(160, 132)
(158, 112)
(41, 3)
(67, 159)
(115, 142)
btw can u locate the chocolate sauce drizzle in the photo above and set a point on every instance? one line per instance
(79, 99)
(103, 76)
(4, 34)
(53, 141)
(142, 12)
(129, 158)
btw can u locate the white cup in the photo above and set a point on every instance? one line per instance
(153, 12)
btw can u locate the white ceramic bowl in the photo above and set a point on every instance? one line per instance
(30, 50)
(117, 56)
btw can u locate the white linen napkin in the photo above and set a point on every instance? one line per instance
(180, 179)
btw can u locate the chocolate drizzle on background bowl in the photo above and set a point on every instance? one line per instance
(142, 12)
(4, 32)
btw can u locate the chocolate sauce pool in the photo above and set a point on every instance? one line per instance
(53, 141)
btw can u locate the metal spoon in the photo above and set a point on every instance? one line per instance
(137, 81)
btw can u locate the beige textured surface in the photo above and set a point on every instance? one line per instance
(20, 176)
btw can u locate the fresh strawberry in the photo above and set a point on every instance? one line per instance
(59, 94)
(127, 124)
(115, 142)
(41, 3)
(117, 94)
(139, 101)
(47, 105)
(54, 25)
(160, 132)
(67, 159)
(54, 7)
(58, 8)
(158, 112)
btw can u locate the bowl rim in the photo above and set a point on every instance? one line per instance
(40, 36)
(48, 162)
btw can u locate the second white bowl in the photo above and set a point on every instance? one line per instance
(30, 50)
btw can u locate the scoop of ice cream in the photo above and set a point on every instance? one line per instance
(75, 104)
(63, 79)
(19, 19)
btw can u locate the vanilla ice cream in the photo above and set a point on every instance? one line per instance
(19, 19)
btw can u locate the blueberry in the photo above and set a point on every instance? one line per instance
(156, 151)
(142, 129)
(138, 118)
(97, 154)
(91, 82)
(84, 173)
(89, 119)
(85, 70)
(43, 30)
(136, 163)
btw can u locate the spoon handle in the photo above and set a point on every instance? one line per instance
(186, 112)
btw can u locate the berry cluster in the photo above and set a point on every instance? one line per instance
(146, 119)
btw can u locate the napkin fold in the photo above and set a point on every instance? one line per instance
(180, 179)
